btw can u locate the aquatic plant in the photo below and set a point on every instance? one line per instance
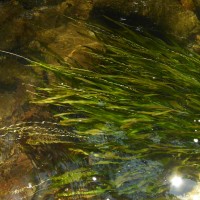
(137, 108)
(138, 105)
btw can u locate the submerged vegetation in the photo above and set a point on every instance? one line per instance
(136, 110)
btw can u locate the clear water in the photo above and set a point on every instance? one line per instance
(124, 126)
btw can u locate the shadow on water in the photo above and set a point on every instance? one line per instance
(134, 21)
(130, 130)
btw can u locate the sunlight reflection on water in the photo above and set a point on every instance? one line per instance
(184, 189)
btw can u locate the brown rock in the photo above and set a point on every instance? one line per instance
(17, 177)
(188, 4)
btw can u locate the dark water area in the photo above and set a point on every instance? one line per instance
(134, 20)
(100, 106)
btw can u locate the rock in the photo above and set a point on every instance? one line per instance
(39, 29)
(17, 178)
(22, 20)
(16, 170)
(188, 4)
(168, 14)
(65, 42)
(15, 80)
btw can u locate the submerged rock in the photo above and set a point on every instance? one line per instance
(30, 154)
(17, 177)
(170, 15)
(39, 29)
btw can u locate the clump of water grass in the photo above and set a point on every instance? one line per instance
(138, 79)
(137, 106)
(137, 103)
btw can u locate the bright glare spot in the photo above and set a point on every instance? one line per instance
(196, 140)
(196, 197)
(94, 178)
(198, 120)
(123, 19)
(109, 199)
(176, 181)
(30, 185)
